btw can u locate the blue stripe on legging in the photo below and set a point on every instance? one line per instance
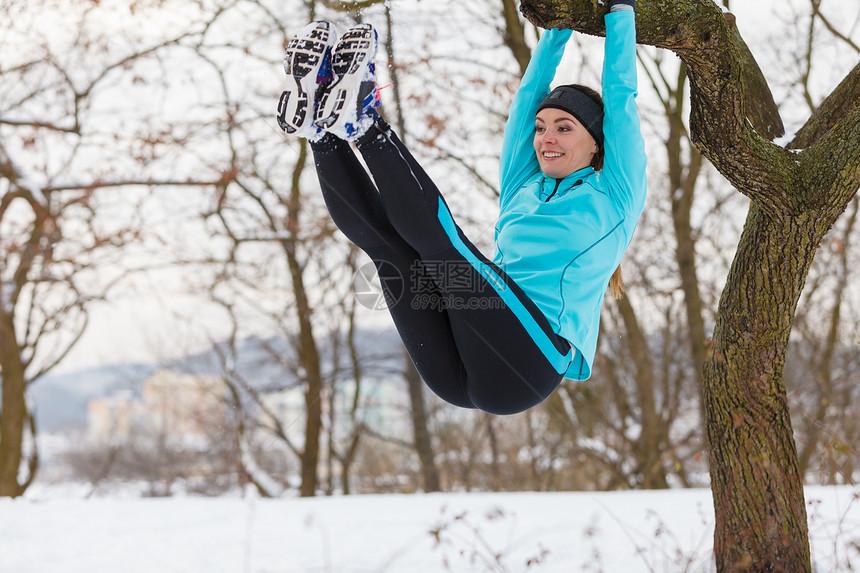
(558, 361)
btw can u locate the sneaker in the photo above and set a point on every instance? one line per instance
(347, 106)
(307, 61)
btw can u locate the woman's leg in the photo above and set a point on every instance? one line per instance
(512, 358)
(356, 208)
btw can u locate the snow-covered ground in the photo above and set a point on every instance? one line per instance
(668, 531)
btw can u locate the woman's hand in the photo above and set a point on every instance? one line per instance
(622, 5)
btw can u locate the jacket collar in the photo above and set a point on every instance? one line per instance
(551, 188)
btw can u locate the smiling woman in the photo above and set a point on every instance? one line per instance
(496, 335)
(562, 143)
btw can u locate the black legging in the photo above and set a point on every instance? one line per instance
(469, 346)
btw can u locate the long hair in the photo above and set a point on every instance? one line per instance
(616, 282)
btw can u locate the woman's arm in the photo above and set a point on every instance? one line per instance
(624, 162)
(518, 159)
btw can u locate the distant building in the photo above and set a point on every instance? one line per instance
(109, 418)
(181, 406)
(381, 408)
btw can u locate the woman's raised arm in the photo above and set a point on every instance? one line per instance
(518, 160)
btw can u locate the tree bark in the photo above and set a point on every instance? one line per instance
(757, 486)
(13, 411)
(356, 426)
(796, 197)
(495, 470)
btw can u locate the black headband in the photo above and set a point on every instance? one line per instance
(579, 105)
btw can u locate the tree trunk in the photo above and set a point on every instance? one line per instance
(757, 488)
(515, 36)
(682, 181)
(495, 470)
(652, 475)
(423, 446)
(309, 357)
(13, 412)
(394, 74)
(356, 427)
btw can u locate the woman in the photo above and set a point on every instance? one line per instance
(495, 335)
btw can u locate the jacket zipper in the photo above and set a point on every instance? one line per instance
(557, 183)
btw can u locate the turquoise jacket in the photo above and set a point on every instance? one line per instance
(561, 240)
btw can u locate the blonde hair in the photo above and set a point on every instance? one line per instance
(616, 284)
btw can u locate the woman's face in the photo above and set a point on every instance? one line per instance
(561, 143)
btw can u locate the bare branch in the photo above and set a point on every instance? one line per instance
(351, 6)
(842, 101)
(816, 11)
(138, 182)
(41, 125)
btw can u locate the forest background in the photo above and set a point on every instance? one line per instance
(152, 216)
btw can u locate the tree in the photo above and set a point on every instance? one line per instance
(796, 193)
(62, 155)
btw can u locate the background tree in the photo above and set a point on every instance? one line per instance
(64, 158)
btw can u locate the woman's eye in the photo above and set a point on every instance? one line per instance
(539, 129)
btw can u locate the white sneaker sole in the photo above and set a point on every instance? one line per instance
(302, 61)
(340, 107)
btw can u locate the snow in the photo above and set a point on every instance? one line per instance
(269, 486)
(580, 531)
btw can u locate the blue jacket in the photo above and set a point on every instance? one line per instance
(561, 240)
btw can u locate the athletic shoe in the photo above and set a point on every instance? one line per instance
(347, 106)
(307, 61)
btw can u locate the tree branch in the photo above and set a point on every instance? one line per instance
(349, 6)
(833, 163)
(76, 129)
(134, 182)
(816, 12)
(842, 101)
(761, 110)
